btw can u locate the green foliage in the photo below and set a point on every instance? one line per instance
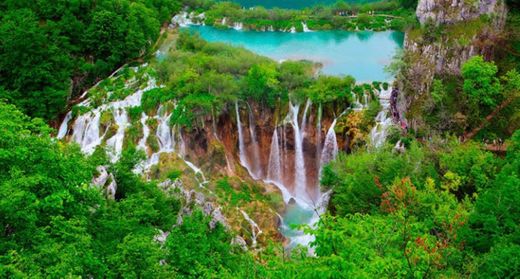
(262, 83)
(202, 251)
(33, 70)
(359, 179)
(475, 169)
(376, 15)
(480, 83)
(56, 224)
(328, 89)
(152, 98)
(207, 78)
(496, 216)
(51, 52)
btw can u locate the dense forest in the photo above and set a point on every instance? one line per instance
(53, 50)
(439, 198)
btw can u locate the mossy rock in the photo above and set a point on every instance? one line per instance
(153, 142)
(106, 119)
(133, 134)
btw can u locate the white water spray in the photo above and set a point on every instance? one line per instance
(330, 147)
(274, 171)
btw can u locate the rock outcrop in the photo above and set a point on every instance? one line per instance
(453, 11)
(451, 32)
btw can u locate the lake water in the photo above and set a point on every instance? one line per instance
(362, 54)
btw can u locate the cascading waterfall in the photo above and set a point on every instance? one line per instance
(164, 137)
(164, 131)
(330, 147)
(305, 28)
(115, 143)
(241, 146)
(274, 170)
(86, 127)
(318, 136)
(64, 127)
(383, 120)
(238, 26)
(86, 131)
(300, 181)
(254, 143)
(255, 229)
(146, 132)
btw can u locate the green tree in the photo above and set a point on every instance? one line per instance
(33, 70)
(262, 83)
(481, 85)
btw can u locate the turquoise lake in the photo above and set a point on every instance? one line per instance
(362, 54)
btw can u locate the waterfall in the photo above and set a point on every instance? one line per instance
(318, 136)
(241, 146)
(305, 28)
(256, 167)
(64, 127)
(164, 131)
(383, 120)
(304, 119)
(182, 20)
(330, 147)
(284, 148)
(300, 189)
(274, 170)
(86, 131)
(115, 143)
(86, 127)
(146, 132)
(238, 26)
(255, 229)
(164, 136)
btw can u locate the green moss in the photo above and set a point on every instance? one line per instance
(174, 174)
(134, 113)
(111, 130)
(133, 134)
(151, 99)
(106, 118)
(78, 110)
(152, 142)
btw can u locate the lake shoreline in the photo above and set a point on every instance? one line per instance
(363, 55)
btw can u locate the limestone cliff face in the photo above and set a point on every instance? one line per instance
(451, 32)
(453, 11)
(215, 150)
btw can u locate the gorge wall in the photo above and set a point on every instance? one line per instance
(450, 32)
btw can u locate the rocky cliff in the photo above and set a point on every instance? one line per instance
(454, 11)
(450, 32)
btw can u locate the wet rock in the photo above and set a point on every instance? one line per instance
(161, 237)
(101, 180)
(240, 242)
(208, 208)
(218, 217)
(453, 11)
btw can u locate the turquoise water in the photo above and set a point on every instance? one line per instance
(362, 55)
(289, 4)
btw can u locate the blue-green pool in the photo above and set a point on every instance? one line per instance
(362, 54)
